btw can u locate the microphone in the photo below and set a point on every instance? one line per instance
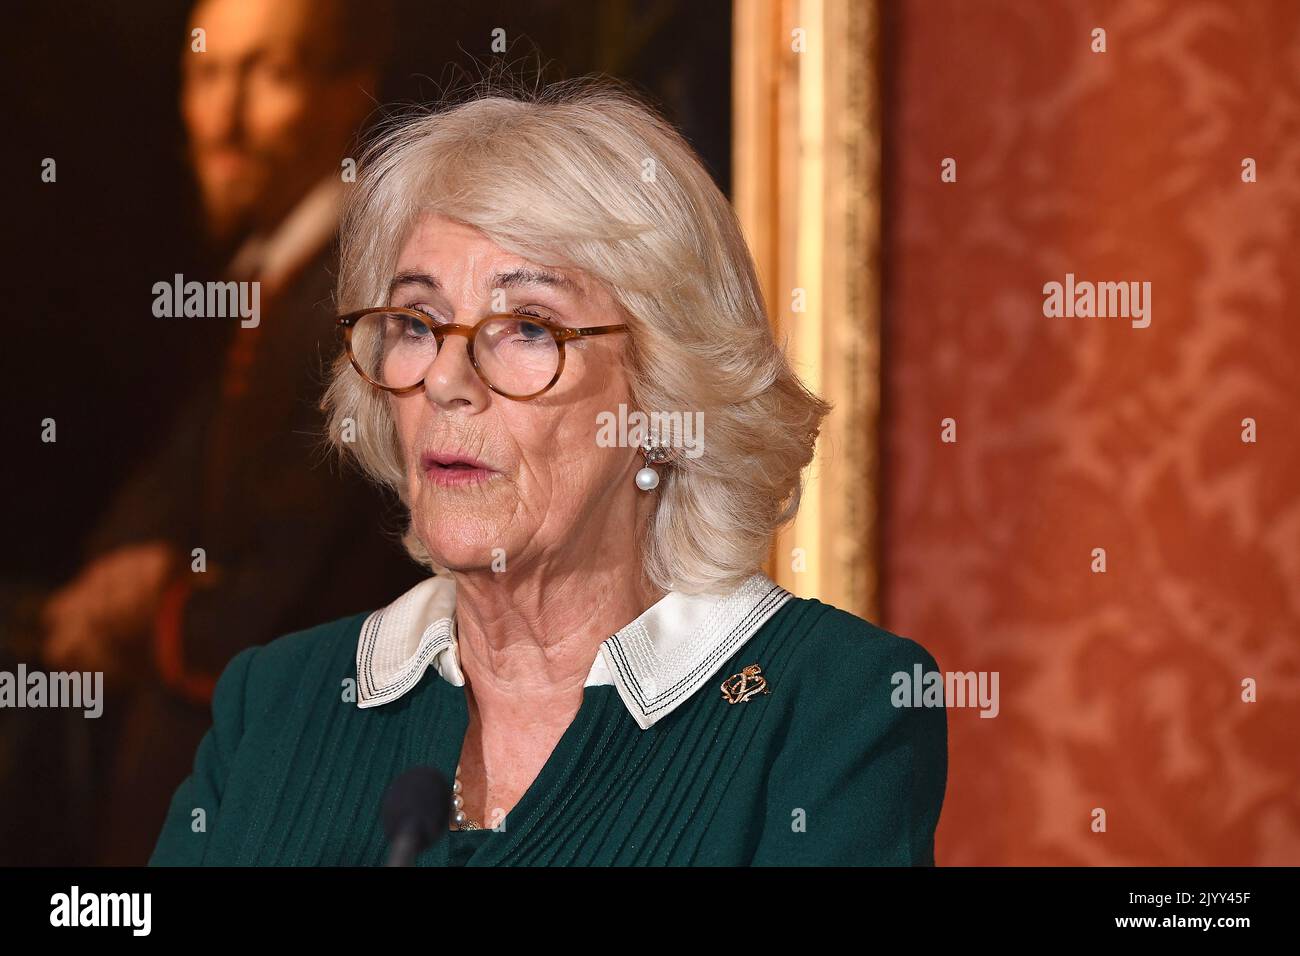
(415, 813)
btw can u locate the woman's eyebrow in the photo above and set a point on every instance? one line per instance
(511, 278)
(529, 276)
(408, 277)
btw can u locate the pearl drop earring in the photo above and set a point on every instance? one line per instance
(647, 479)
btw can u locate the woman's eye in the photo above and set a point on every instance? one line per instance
(532, 332)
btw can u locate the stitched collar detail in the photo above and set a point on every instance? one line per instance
(657, 662)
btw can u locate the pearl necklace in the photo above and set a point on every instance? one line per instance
(459, 818)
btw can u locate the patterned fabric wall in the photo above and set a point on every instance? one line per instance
(1120, 690)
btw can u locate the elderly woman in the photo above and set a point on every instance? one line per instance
(597, 660)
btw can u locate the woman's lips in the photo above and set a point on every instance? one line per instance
(454, 470)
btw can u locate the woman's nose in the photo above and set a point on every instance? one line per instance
(451, 380)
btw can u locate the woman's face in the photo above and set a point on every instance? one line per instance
(537, 485)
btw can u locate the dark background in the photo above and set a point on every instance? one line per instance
(95, 87)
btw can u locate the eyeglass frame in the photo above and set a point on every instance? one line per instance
(560, 333)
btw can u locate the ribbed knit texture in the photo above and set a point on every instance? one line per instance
(824, 770)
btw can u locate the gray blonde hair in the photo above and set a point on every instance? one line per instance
(582, 175)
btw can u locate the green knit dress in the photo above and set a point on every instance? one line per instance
(823, 770)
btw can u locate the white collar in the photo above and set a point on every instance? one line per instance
(298, 237)
(656, 662)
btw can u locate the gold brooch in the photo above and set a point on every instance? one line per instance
(742, 686)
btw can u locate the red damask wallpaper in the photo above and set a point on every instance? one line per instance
(1120, 439)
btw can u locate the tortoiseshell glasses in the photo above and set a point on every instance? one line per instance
(516, 355)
